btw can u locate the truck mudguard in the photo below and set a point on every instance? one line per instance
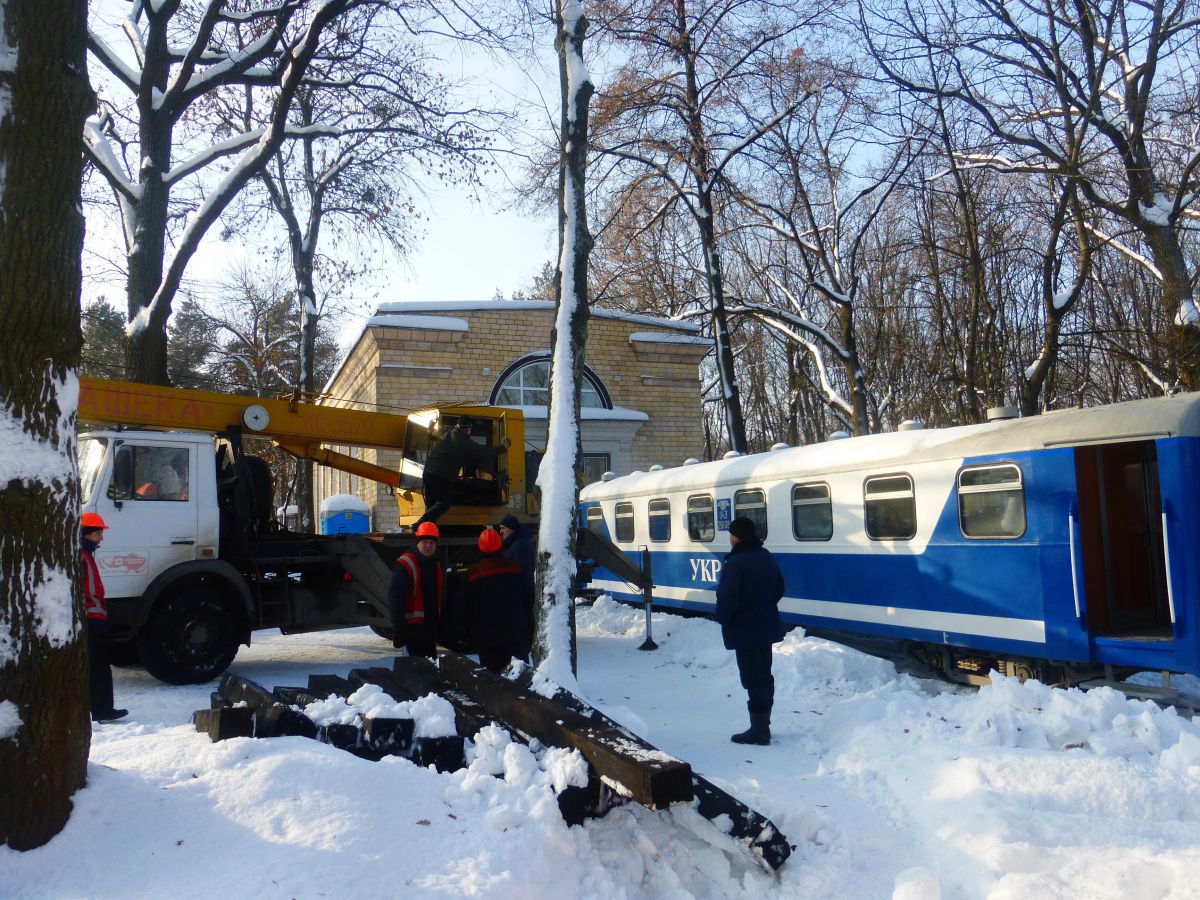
(211, 569)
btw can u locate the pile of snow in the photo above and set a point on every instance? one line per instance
(887, 785)
(433, 716)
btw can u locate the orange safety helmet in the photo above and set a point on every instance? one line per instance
(427, 530)
(489, 541)
(92, 522)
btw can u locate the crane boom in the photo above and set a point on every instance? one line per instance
(290, 422)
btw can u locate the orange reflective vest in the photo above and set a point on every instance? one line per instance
(93, 589)
(414, 607)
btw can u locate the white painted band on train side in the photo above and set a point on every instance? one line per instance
(1030, 630)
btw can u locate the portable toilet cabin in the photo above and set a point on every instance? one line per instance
(345, 514)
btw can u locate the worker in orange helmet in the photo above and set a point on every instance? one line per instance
(100, 682)
(498, 606)
(415, 595)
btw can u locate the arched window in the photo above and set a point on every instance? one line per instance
(527, 383)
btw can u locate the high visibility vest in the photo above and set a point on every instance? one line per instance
(414, 609)
(93, 589)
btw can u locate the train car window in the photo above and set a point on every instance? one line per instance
(991, 502)
(812, 512)
(752, 505)
(701, 523)
(624, 522)
(595, 520)
(660, 520)
(891, 508)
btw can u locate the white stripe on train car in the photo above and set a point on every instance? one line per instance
(1028, 630)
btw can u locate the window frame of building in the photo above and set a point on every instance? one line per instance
(895, 493)
(978, 493)
(592, 386)
(605, 460)
(808, 503)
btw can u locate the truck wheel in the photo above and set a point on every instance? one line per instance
(190, 638)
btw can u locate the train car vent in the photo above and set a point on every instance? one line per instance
(691, 461)
(838, 436)
(656, 468)
(608, 476)
(782, 445)
(733, 454)
(911, 425)
(1000, 413)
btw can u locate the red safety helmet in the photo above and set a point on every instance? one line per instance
(489, 541)
(427, 530)
(92, 522)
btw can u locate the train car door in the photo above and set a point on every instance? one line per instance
(1120, 526)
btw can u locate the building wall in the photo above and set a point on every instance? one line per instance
(455, 355)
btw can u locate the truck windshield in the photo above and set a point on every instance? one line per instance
(91, 458)
(417, 444)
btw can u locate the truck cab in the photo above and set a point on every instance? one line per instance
(160, 504)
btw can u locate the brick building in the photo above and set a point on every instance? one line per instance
(640, 400)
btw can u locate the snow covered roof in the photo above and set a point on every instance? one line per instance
(1135, 420)
(343, 503)
(428, 323)
(385, 312)
(666, 337)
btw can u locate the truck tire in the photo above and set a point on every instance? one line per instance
(189, 638)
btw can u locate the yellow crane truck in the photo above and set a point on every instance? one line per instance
(194, 560)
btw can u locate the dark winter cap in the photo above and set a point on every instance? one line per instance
(743, 529)
(510, 522)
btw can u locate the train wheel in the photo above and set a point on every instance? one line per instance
(384, 632)
(190, 638)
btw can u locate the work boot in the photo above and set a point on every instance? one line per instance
(112, 715)
(759, 731)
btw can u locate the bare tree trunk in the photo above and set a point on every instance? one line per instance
(700, 164)
(44, 721)
(555, 573)
(146, 347)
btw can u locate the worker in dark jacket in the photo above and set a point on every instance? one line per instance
(100, 681)
(498, 606)
(453, 452)
(415, 595)
(518, 546)
(748, 594)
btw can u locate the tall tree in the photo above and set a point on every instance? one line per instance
(183, 53)
(682, 109)
(370, 123)
(1098, 92)
(103, 341)
(558, 477)
(818, 209)
(44, 724)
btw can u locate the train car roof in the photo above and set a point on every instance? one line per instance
(1134, 420)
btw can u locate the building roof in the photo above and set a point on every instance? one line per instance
(405, 308)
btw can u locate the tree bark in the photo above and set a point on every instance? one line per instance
(555, 574)
(44, 719)
(700, 165)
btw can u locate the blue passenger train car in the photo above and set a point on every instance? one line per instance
(1055, 545)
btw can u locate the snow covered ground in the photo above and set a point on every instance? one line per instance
(888, 786)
